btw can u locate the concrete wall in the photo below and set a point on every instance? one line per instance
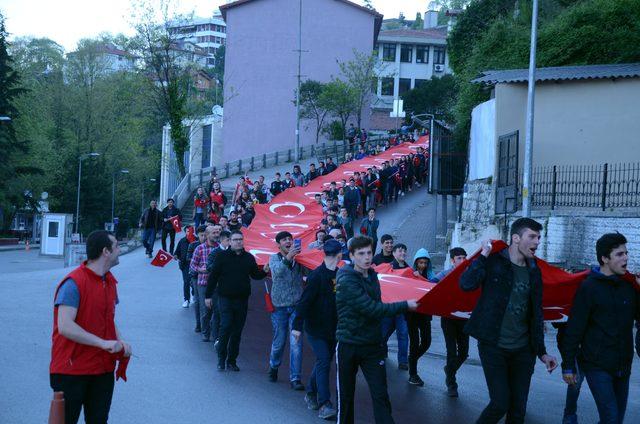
(576, 122)
(261, 66)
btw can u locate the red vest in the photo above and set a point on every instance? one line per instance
(95, 315)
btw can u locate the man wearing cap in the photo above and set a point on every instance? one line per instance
(316, 310)
(286, 290)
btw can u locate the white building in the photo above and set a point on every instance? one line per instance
(408, 57)
(110, 59)
(208, 33)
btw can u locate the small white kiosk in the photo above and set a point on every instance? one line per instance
(56, 233)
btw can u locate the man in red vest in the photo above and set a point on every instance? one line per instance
(85, 337)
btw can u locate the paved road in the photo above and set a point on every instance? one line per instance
(174, 380)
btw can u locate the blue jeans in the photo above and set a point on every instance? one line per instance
(610, 393)
(399, 325)
(281, 321)
(319, 380)
(199, 219)
(571, 404)
(149, 239)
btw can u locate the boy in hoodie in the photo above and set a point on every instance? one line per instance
(360, 310)
(455, 339)
(599, 332)
(398, 323)
(419, 325)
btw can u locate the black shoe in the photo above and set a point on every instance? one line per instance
(197, 330)
(452, 391)
(416, 380)
(233, 367)
(297, 385)
(311, 400)
(221, 366)
(403, 367)
(327, 412)
(273, 374)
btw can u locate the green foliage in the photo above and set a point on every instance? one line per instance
(340, 99)
(311, 106)
(494, 34)
(334, 130)
(358, 73)
(436, 96)
(218, 70)
(418, 22)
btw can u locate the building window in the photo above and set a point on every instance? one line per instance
(438, 55)
(406, 51)
(404, 86)
(389, 52)
(211, 61)
(419, 82)
(422, 54)
(387, 87)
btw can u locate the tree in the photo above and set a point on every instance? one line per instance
(218, 69)
(418, 23)
(340, 100)
(155, 42)
(359, 74)
(436, 96)
(311, 105)
(12, 147)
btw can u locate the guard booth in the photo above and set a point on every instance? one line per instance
(56, 233)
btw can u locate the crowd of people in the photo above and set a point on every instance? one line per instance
(339, 309)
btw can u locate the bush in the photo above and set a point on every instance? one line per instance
(334, 130)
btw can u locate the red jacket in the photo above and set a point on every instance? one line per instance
(96, 314)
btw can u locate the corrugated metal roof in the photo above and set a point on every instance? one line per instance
(561, 73)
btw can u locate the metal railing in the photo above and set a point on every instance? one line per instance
(601, 186)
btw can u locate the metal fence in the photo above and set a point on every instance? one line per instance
(586, 186)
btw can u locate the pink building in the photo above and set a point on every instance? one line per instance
(261, 65)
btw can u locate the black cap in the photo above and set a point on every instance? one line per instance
(332, 247)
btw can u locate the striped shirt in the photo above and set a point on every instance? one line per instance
(199, 262)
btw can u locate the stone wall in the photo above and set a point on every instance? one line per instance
(568, 236)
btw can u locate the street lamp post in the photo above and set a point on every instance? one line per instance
(80, 159)
(113, 192)
(531, 93)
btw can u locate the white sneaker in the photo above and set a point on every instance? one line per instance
(185, 304)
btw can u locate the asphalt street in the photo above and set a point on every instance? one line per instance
(174, 379)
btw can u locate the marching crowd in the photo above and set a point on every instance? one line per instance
(338, 305)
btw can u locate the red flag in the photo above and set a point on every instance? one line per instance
(162, 258)
(175, 221)
(191, 237)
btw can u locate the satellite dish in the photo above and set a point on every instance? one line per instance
(44, 195)
(217, 110)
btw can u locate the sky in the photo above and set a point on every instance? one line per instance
(67, 21)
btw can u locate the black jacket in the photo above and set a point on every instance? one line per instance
(495, 276)
(360, 307)
(181, 253)
(231, 274)
(152, 215)
(380, 258)
(190, 250)
(317, 306)
(169, 213)
(599, 333)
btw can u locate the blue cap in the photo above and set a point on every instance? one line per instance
(332, 247)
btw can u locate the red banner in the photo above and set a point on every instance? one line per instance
(175, 221)
(162, 258)
(296, 211)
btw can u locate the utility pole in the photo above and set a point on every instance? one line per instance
(297, 155)
(531, 93)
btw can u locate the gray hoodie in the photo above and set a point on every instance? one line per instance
(287, 286)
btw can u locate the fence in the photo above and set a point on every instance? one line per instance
(335, 149)
(586, 186)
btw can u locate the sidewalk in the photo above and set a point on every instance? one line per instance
(18, 247)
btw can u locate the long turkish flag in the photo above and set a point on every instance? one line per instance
(296, 211)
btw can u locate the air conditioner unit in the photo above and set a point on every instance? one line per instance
(438, 68)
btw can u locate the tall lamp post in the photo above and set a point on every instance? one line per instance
(80, 159)
(531, 93)
(113, 191)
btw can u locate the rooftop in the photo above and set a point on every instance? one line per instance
(561, 73)
(437, 33)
